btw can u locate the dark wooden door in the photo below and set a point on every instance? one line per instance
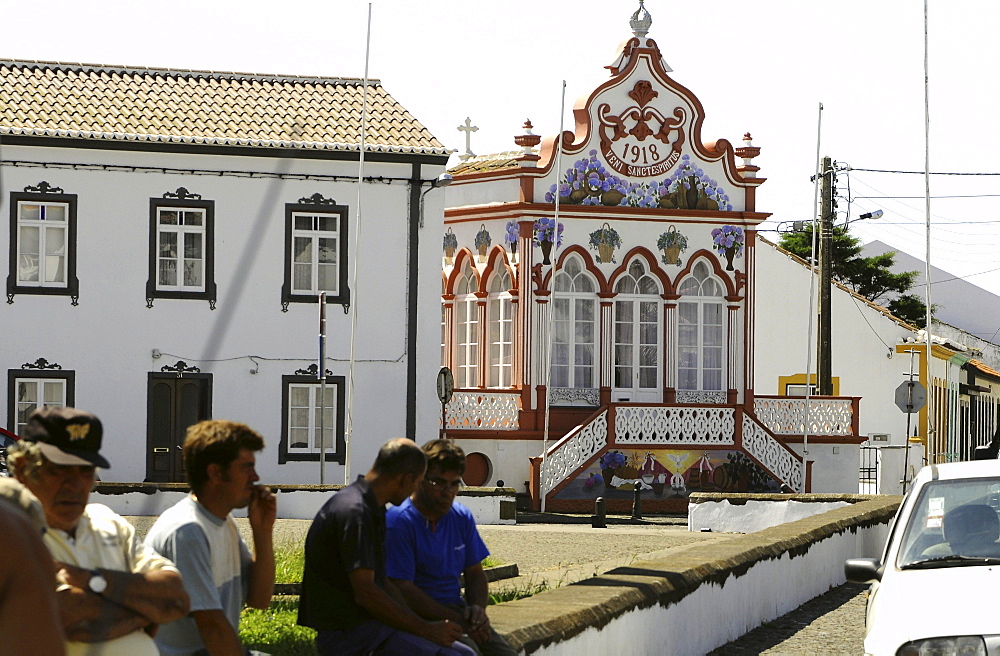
(173, 404)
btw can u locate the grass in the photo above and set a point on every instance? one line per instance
(274, 630)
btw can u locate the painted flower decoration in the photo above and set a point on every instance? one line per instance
(450, 240)
(612, 460)
(604, 240)
(726, 237)
(545, 230)
(672, 239)
(512, 233)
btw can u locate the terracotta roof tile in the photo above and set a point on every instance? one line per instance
(87, 101)
(494, 162)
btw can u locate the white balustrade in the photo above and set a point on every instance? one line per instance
(776, 457)
(674, 425)
(565, 456)
(787, 416)
(482, 410)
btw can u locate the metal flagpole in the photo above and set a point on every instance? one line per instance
(349, 431)
(931, 432)
(812, 297)
(552, 290)
(321, 374)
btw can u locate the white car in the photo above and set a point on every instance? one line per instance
(935, 589)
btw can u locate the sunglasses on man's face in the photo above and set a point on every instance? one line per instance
(441, 484)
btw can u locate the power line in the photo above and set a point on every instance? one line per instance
(921, 172)
(921, 197)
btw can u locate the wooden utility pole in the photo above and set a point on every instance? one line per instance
(824, 367)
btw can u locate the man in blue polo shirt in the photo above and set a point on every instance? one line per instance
(431, 540)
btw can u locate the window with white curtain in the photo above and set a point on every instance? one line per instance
(574, 325)
(637, 330)
(180, 248)
(499, 312)
(42, 243)
(701, 333)
(466, 329)
(29, 390)
(312, 414)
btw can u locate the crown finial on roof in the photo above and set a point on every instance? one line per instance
(640, 25)
(528, 140)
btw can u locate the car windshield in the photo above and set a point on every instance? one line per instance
(953, 523)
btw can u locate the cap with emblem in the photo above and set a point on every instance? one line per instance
(66, 436)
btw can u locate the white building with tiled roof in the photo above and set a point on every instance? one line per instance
(169, 234)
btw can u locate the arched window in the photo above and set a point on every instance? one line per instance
(574, 338)
(637, 335)
(466, 329)
(701, 338)
(499, 312)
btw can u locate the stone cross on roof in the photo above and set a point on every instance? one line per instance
(468, 128)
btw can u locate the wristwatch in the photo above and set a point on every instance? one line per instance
(97, 583)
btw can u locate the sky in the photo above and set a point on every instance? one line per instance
(761, 67)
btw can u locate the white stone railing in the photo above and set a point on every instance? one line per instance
(674, 425)
(483, 410)
(775, 456)
(565, 456)
(787, 416)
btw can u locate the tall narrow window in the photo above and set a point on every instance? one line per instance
(181, 248)
(637, 335)
(315, 251)
(574, 338)
(467, 329)
(501, 322)
(30, 389)
(311, 417)
(701, 332)
(42, 242)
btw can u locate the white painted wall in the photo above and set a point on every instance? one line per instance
(108, 339)
(862, 338)
(768, 590)
(294, 504)
(752, 516)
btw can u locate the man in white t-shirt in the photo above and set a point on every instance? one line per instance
(199, 534)
(113, 590)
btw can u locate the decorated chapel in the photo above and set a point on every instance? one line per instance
(597, 305)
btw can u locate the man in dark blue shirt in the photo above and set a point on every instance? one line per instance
(345, 594)
(432, 540)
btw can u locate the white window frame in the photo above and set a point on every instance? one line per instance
(333, 423)
(18, 407)
(636, 298)
(467, 337)
(567, 311)
(180, 230)
(315, 235)
(44, 227)
(700, 302)
(500, 323)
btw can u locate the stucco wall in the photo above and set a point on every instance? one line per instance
(700, 598)
(488, 506)
(109, 338)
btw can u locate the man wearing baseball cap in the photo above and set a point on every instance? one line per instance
(112, 591)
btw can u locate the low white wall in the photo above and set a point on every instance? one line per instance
(292, 504)
(725, 517)
(714, 615)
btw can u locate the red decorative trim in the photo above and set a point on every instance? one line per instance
(713, 261)
(496, 258)
(588, 264)
(456, 271)
(653, 268)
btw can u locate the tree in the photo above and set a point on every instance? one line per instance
(870, 277)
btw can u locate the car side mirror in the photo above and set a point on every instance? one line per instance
(863, 570)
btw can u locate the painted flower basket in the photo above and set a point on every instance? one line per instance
(545, 234)
(672, 243)
(605, 241)
(450, 246)
(728, 241)
(483, 242)
(510, 238)
(609, 463)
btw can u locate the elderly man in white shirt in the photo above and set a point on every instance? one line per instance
(112, 591)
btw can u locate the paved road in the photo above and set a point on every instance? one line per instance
(832, 623)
